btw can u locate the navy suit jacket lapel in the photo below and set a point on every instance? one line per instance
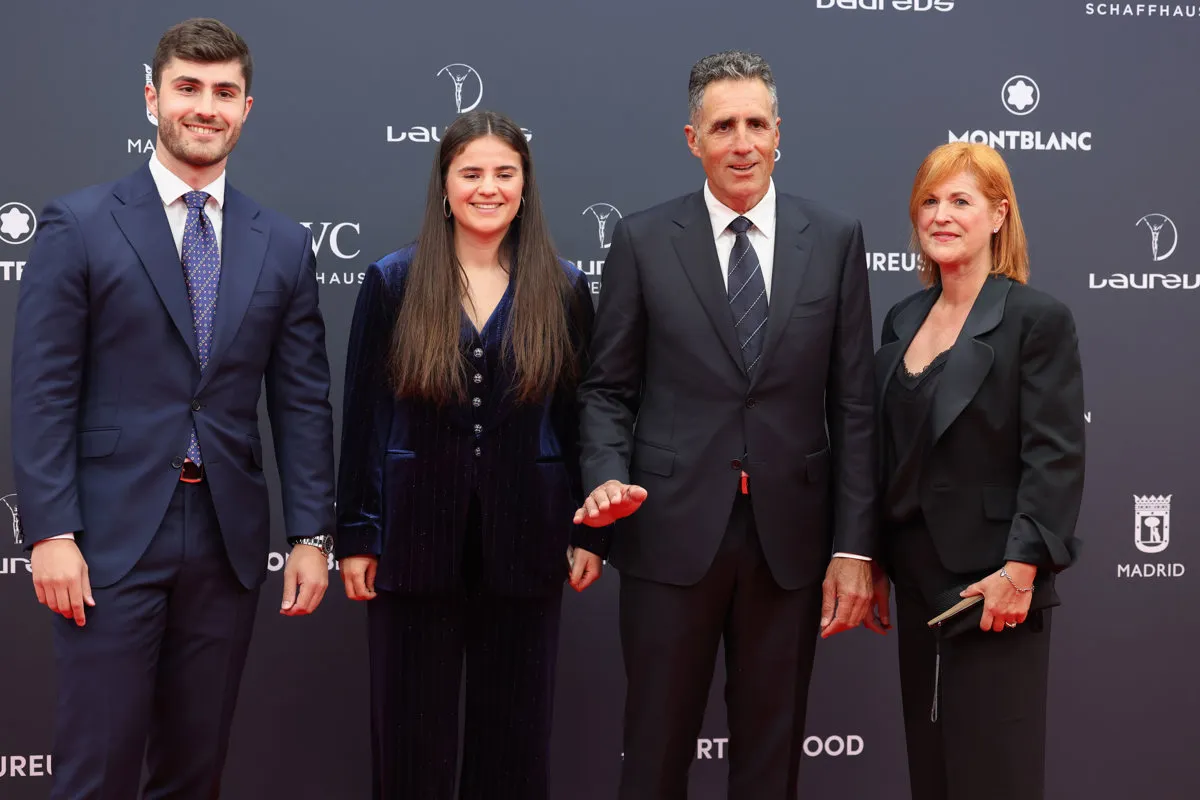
(697, 250)
(143, 221)
(243, 248)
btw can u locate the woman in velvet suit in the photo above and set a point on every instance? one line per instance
(460, 476)
(981, 416)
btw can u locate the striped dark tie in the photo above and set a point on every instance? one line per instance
(747, 294)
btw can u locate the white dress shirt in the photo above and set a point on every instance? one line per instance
(762, 239)
(172, 189)
(762, 232)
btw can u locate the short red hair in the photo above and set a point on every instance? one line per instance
(1010, 251)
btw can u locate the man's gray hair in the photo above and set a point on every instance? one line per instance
(735, 65)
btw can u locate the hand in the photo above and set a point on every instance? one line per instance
(877, 618)
(358, 576)
(845, 595)
(305, 579)
(585, 568)
(1003, 605)
(60, 578)
(609, 502)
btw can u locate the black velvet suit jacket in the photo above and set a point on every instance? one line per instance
(409, 468)
(668, 404)
(1004, 478)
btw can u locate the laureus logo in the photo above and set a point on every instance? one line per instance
(10, 500)
(1161, 247)
(150, 82)
(467, 84)
(604, 228)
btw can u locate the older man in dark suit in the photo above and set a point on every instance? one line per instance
(731, 393)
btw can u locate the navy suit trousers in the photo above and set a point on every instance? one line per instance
(154, 674)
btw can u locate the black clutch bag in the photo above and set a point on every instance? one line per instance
(957, 614)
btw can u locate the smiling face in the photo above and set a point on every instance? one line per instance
(735, 138)
(955, 224)
(200, 109)
(484, 183)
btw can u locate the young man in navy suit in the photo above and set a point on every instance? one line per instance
(152, 310)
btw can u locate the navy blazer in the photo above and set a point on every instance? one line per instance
(1003, 479)
(107, 384)
(410, 469)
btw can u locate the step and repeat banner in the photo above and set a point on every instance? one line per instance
(1093, 104)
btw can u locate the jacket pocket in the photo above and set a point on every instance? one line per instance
(999, 502)
(266, 299)
(653, 459)
(98, 442)
(816, 465)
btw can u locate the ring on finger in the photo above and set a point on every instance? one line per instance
(1010, 624)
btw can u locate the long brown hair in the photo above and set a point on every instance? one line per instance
(425, 358)
(1010, 253)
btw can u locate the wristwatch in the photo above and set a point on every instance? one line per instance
(323, 542)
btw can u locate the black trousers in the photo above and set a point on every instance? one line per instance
(417, 647)
(154, 674)
(989, 740)
(669, 640)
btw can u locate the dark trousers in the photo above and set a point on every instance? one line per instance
(154, 674)
(417, 646)
(989, 740)
(669, 640)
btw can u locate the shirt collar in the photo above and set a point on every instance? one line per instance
(171, 187)
(762, 215)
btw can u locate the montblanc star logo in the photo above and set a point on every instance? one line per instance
(1021, 95)
(17, 223)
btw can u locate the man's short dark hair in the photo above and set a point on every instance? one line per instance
(728, 65)
(208, 41)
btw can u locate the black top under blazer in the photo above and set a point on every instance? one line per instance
(1003, 478)
(410, 469)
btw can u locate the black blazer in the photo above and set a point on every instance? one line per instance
(409, 468)
(668, 404)
(1004, 478)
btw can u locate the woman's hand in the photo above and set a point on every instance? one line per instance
(1004, 606)
(358, 575)
(585, 568)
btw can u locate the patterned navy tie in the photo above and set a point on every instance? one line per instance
(202, 270)
(747, 294)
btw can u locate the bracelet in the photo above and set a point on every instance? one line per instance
(1004, 574)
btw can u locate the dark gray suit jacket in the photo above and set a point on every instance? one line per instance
(667, 403)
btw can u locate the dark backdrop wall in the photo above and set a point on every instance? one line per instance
(1095, 108)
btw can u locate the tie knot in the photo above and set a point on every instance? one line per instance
(740, 225)
(195, 199)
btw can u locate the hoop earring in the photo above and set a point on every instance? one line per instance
(521, 207)
(446, 206)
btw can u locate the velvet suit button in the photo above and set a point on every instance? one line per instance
(176, 462)
(736, 464)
